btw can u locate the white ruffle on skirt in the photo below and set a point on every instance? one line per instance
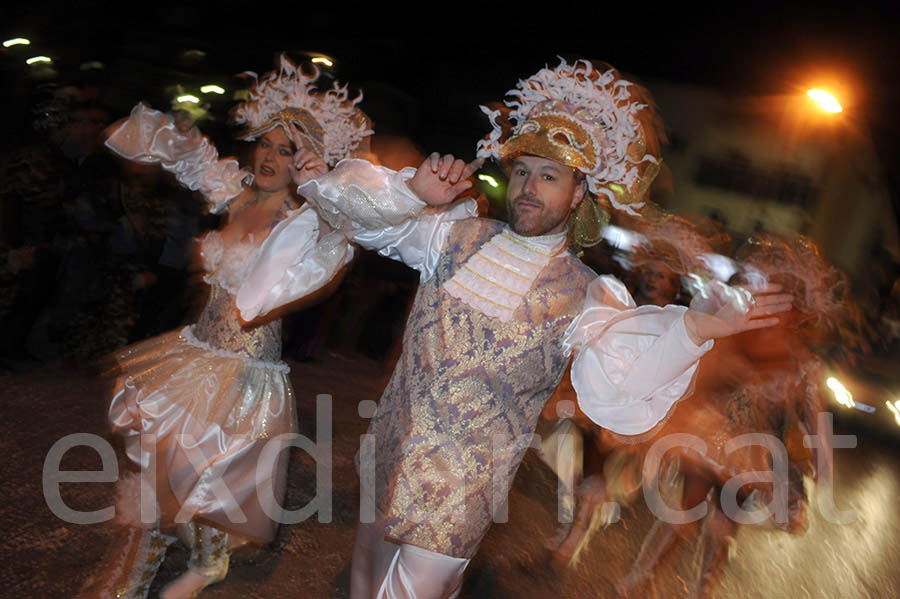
(213, 425)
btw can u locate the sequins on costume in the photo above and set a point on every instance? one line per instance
(461, 407)
(214, 393)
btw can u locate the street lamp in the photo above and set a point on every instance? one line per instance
(826, 101)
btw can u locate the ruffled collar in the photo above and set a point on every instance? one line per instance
(495, 279)
(551, 245)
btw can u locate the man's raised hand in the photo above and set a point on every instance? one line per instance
(440, 179)
(735, 311)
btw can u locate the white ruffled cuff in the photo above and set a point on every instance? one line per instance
(417, 242)
(292, 263)
(631, 364)
(359, 195)
(150, 136)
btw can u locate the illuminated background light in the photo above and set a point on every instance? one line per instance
(894, 407)
(489, 180)
(841, 394)
(323, 60)
(188, 98)
(622, 239)
(212, 89)
(38, 59)
(826, 101)
(16, 41)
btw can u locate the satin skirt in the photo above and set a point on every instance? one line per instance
(210, 428)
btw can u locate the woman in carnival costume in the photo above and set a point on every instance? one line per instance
(206, 411)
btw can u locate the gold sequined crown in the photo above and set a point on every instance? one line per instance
(330, 124)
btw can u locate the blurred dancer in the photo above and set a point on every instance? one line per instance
(204, 411)
(567, 434)
(761, 382)
(498, 312)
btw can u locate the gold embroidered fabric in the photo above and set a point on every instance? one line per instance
(220, 327)
(464, 399)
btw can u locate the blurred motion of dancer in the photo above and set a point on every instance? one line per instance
(567, 435)
(762, 382)
(768, 382)
(499, 310)
(204, 411)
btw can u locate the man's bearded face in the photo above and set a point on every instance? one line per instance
(541, 196)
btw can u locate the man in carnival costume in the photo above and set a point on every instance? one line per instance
(499, 311)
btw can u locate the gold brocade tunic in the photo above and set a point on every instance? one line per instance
(463, 402)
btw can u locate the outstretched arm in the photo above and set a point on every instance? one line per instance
(632, 364)
(151, 137)
(732, 310)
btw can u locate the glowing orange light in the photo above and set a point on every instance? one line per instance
(826, 101)
(323, 60)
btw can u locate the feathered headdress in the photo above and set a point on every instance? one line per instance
(821, 292)
(331, 125)
(583, 118)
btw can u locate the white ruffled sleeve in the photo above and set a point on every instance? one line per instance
(150, 136)
(631, 363)
(292, 263)
(375, 208)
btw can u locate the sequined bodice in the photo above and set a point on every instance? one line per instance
(219, 324)
(220, 327)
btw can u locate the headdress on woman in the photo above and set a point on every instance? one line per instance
(821, 293)
(587, 119)
(331, 125)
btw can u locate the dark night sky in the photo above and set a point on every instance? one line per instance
(460, 56)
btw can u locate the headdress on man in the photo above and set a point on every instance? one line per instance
(589, 120)
(330, 123)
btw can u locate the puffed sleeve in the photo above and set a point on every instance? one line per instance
(374, 207)
(631, 363)
(151, 137)
(292, 263)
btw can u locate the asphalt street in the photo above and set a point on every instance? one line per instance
(43, 556)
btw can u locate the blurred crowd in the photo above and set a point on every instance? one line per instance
(94, 249)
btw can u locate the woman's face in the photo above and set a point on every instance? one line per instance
(273, 161)
(658, 284)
